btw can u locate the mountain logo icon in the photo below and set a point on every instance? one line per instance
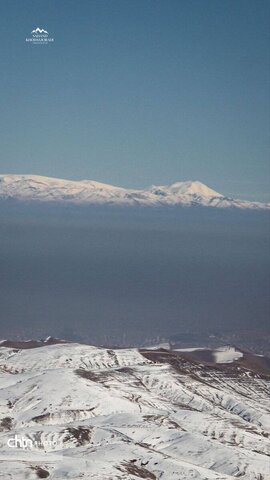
(39, 30)
(39, 36)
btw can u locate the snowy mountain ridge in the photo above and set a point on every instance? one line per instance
(86, 412)
(36, 188)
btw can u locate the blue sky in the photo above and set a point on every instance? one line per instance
(138, 92)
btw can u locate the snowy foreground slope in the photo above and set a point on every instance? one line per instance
(84, 192)
(94, 413)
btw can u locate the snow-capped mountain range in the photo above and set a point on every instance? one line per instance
(45, 189)
(73, 411)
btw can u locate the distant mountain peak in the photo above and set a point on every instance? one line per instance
(36, 188)
(193, 187)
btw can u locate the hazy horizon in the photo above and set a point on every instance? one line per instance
(109, 273)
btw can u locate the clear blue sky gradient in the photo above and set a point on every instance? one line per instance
(138, 92)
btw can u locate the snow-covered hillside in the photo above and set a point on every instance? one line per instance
(45, 189)
(94, 413)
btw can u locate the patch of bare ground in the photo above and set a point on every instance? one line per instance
(162, 420)
(127, 370)
(27, 344)
(99, 377)
(133, 469)
(41, 418)
(40, 471)
(5, 424)
(13, 371)
(46, 417)
(257, 364)
(82, 435)
(187, 362)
